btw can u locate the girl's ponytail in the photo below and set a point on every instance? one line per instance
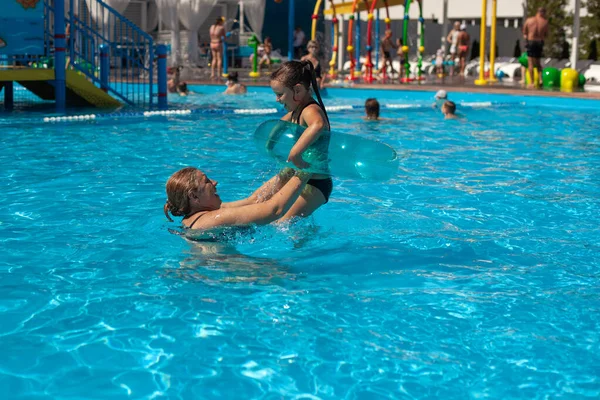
(311, 78)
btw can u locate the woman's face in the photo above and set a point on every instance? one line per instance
(205, 194)
(289, 98)
(313, 49)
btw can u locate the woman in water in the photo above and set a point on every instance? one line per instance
(312, 56)
(291, 84)
(193, 196)
(217, 32)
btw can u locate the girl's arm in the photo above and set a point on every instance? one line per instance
(316, 122)
(261, 213)
(266, 191)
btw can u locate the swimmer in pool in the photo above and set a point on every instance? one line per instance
(193, 196)
(291, 84)
(372, 109)
(233, 87)
(449, 110)
(440, 98)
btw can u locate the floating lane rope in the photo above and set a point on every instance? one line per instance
(253, 111)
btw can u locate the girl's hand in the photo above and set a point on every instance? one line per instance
(298, 161)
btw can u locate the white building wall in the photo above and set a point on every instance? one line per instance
(465, 9)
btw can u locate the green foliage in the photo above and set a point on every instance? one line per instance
(558, 20)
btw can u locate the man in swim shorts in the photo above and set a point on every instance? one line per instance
(535, 31)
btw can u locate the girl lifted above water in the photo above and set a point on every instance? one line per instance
(291, 84)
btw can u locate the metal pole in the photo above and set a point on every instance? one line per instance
(445, 25)
(340, 45)
(241, 16)
(60, 61)
(575, 43)
(104, 67)
(481, 80)
(161, 52)
(377, 41)
(357, 44)
(225, 67)
(291, 22)
(9, 95)
(492, 77)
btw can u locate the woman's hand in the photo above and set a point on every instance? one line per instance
(297, 160)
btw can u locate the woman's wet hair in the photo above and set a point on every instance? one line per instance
(372, 108)
(292, 73)
(179, 188)
(219, 21)
(233, 77)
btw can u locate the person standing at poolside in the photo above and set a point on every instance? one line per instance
(387, 44)
(535, 31)
(313, 57)
(299, 38)
(266, 57)
(217, 32)
(453, 40)
(464, 39)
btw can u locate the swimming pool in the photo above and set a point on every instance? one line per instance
(472, 274)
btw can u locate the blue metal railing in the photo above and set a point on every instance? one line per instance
(91, 24)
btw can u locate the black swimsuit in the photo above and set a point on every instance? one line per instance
(318, 71)
(325, 186)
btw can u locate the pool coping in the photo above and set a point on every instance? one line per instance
(466, 88)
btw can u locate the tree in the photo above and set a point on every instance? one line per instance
(558, 20)
(590, 31)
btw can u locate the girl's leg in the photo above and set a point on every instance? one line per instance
(308, 202)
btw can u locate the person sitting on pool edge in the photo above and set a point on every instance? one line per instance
(193, 196)
(372, 109)
(449, 110)
(233, 87)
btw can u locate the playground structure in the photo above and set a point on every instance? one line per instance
(335, 33)
(421, 40)
(372, 7)
(90, 65)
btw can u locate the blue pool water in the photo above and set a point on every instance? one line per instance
(474, 273)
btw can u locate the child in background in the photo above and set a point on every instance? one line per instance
(439, 63)
(440, 98)
(372, 109)
(449, 110)
(291, 84)
(266, 58)
(233, 87)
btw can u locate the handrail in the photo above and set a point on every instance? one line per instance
(131, 50)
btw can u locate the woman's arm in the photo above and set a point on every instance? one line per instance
(261, 213)
(316, 122)
(266, 191)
